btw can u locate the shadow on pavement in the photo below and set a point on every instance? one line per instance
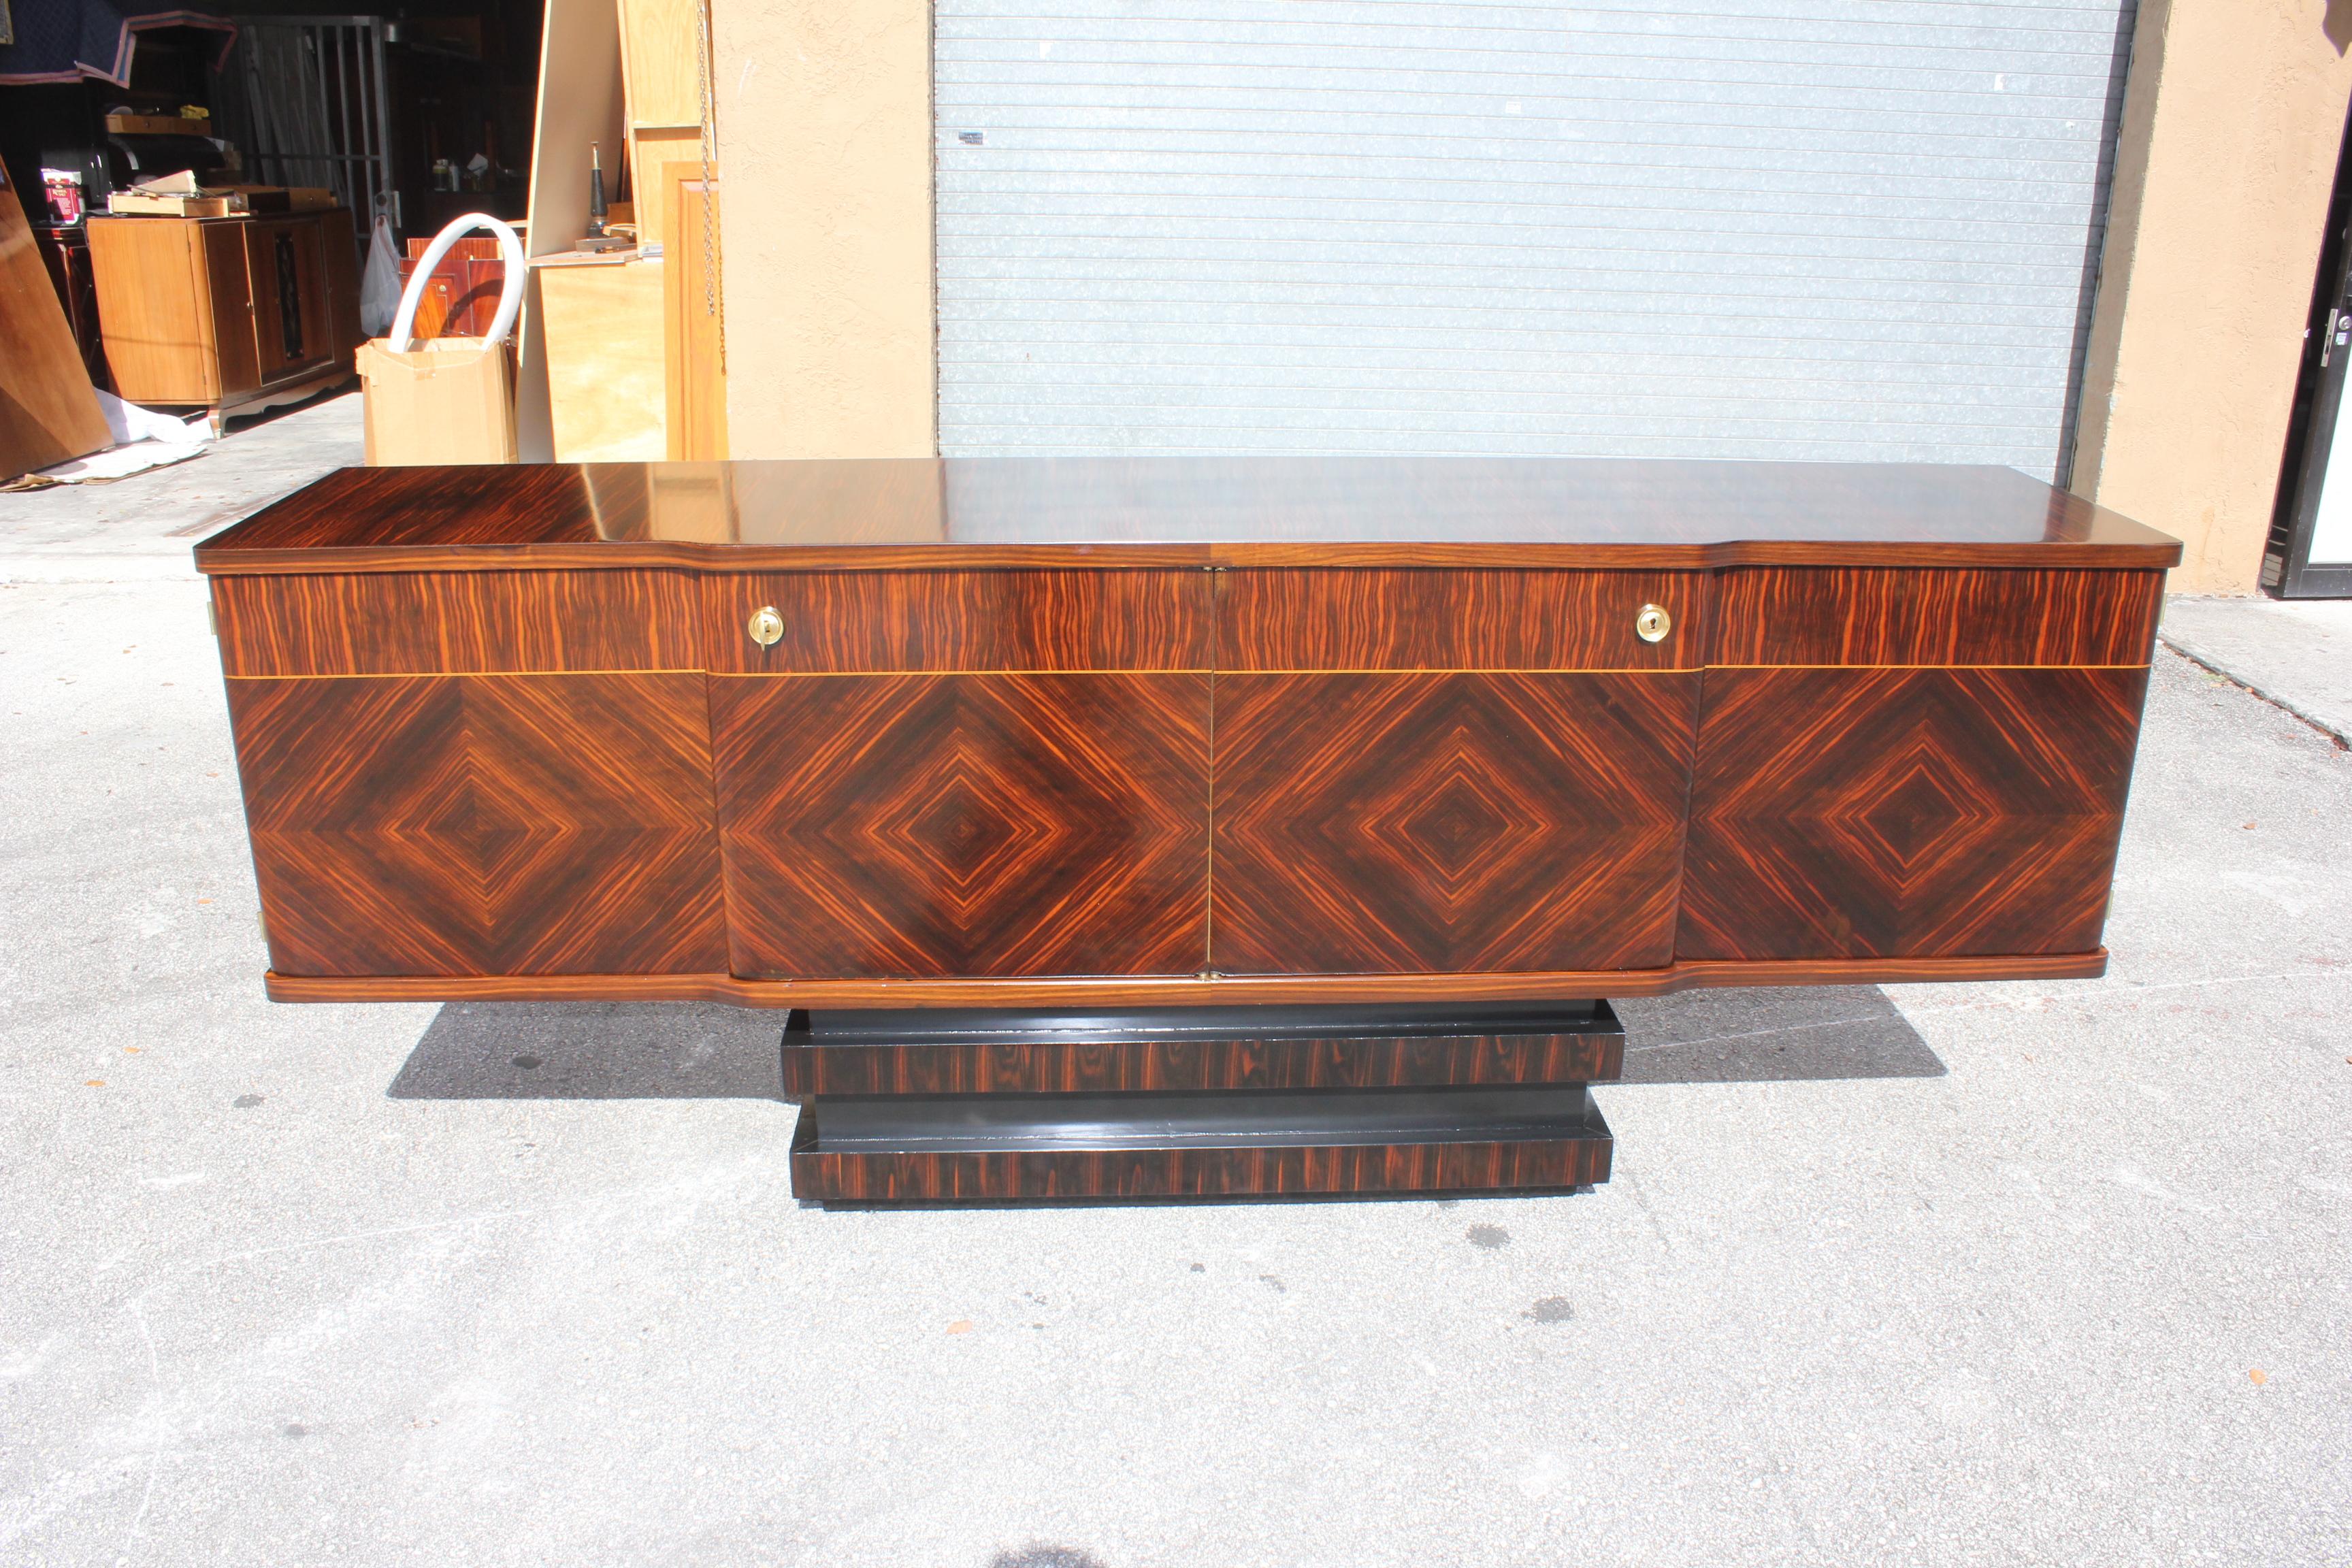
(695, 1050)
(596, 1051)
(1772, 1034)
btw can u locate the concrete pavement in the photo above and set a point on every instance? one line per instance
(142, 528)
(2295, 653)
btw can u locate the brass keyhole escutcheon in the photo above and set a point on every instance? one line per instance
(766, 626)
(1651, 625)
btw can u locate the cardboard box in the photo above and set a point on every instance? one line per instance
(447, 401)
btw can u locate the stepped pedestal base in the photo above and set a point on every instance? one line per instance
(999, 1106)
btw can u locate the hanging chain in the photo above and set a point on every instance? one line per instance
(712, 304)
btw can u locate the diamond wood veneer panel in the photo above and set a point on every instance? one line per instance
(1421, 823)
(1884, 813)
(505, 825)
(975, 825)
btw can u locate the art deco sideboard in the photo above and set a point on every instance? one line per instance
(1234, 824)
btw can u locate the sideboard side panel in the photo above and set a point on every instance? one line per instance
(1852, 813)
(993, 826)
(482, 825)
(1434, 823)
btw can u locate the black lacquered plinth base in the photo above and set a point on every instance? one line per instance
(994, 1106)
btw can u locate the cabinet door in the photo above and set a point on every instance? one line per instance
(963, 825)
(930, 774)
(288, 270)
(1425, 771)
(1894, 813)
(1442, 823)
(228, 278)
(482, 824)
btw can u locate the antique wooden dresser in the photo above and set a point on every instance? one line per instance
(1237, 826)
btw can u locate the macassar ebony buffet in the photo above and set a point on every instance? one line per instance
(1188, 827)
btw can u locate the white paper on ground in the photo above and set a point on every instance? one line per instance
(114, 463)
(129, 422)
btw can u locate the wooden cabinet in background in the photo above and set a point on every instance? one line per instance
(230, 314)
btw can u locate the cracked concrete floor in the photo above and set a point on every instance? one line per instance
(2083, 1298)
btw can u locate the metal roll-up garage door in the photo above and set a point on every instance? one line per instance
(1861, 229)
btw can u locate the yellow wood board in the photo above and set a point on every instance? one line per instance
(660, 59)
(606, 374)
(697, 360)
(657, 158)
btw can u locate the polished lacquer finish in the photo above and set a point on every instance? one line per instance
(980, 1105)
(1112, 732)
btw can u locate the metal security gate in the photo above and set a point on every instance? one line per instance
(308, 102)
(1860, 229)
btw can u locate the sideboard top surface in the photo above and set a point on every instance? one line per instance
(916, 514)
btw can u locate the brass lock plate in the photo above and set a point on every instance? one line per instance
(766, 626)
(1651, 624)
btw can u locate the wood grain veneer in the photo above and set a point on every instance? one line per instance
(1010, 620)
(1163, 1066)
(436, 623)
(920, 826)
(1872, 813)
(1240, 989)
(1847, 615)
(1056, 734)
(1549, 1164)
(48, 412)
(1390, 822)
(524, 825)
(1427, 619)
(1501, 513)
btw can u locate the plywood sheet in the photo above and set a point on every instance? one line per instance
(48, 412)
(605, 373)
(658, 158)
(660, 49)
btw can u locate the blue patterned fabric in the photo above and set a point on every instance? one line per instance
(76, 40)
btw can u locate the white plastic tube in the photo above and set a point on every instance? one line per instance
(404, 321)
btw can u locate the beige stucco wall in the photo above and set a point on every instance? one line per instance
(824, 112)
(2233, 116)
